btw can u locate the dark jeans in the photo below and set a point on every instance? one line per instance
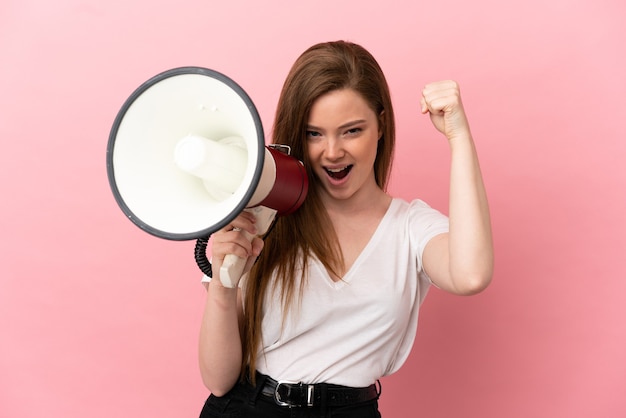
(245, 400)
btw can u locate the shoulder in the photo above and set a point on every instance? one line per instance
(414, 210)
(421, 221)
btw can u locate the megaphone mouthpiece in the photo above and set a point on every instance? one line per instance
(220, 164)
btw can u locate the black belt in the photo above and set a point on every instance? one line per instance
(293, 394)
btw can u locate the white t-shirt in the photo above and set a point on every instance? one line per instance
(354, 331)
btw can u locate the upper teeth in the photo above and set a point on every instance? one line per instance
(336, 170)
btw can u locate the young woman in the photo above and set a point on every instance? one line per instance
(331, 297)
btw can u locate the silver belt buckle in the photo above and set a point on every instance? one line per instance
(310, 391)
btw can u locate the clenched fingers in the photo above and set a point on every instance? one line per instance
(442, 100)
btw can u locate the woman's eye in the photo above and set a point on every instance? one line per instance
(312, 134)
(353, 131)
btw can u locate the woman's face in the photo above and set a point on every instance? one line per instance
(342, 139)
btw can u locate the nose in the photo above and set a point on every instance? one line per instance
(334, 148)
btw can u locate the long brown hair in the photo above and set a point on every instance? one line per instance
(293, 239)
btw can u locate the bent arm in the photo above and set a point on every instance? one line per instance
(460, 261)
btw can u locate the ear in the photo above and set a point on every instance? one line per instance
(381, 124)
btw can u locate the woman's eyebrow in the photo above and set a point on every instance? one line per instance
(344, 126)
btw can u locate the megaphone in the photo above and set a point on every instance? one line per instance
(187, 154)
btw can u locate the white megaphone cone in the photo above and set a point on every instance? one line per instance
(186, 155)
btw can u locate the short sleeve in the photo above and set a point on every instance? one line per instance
(425, 224)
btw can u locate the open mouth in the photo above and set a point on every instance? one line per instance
(338, 173)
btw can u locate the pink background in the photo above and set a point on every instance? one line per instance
(99, 319)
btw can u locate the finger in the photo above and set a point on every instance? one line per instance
(234, 243)
(257, 246)
(439, 105)
(244, 221)
(423, 105)
(438, 86)
(433, 102)
(441, 89)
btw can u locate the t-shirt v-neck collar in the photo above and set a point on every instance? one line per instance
(369, 247)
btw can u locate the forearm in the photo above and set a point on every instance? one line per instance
(220, 349)
(470, 239)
